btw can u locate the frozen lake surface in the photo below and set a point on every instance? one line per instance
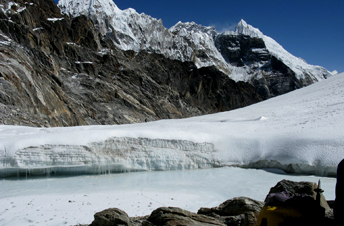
(74, 200)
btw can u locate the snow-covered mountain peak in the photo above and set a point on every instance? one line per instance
(335, 72)
(193, 27)
(129, 27)
(86, 7)
(299, 66)
(246, 29)
(242, 23)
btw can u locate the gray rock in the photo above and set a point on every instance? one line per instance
(240, 211)
(235, 206)
(171, 216)
(111, 217)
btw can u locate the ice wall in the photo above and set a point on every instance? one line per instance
(119, 154)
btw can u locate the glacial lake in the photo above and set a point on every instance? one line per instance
(74, 200)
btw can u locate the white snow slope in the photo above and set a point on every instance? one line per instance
(301, 132)
(184, 41)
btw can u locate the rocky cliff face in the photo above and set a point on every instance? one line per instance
(62, 71)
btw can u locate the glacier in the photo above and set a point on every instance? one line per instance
(299, 132)
(188, 41)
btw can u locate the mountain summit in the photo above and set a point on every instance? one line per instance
(128, 29)
(244, 55)
(245, 29)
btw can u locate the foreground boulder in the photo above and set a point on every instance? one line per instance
(110, 217)
(237, 211)
(176, 216)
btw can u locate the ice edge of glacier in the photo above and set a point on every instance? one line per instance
(125, 154)
(111, 156)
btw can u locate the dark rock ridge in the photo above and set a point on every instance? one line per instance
(60, 71)
(240, 211)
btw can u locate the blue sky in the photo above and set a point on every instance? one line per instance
(312, 30)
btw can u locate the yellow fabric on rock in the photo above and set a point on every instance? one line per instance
(276, 215)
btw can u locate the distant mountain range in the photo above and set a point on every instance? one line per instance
(88, 62)
(245, 54)
(191, 42)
